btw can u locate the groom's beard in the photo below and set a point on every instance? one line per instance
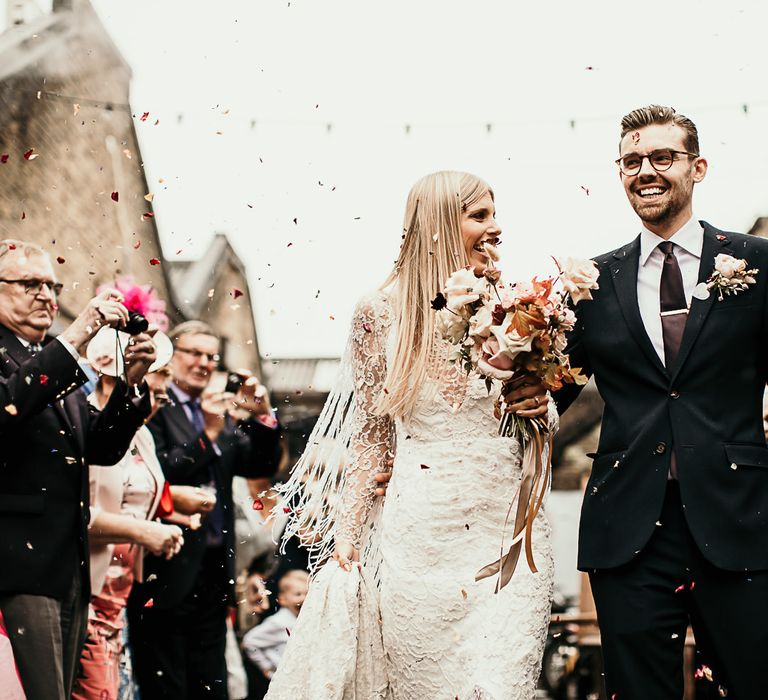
(674, 200)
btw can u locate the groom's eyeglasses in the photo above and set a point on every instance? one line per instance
(660, 160)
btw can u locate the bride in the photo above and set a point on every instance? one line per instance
(445, 635)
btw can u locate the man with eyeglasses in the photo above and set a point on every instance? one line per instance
(674, 524)
(49, 435)
(202, 439)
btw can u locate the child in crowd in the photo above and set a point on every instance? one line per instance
(264, 644)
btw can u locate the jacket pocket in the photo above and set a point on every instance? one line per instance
(31, 504)
(747, 455)
(603, 466)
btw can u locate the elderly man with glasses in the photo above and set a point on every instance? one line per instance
(202, 439)
(49, 436)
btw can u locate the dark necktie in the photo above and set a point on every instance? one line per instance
(673, 306)
(674, 313)
(214, 521)
(198, 422)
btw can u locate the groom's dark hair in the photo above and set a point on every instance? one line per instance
(656, 114)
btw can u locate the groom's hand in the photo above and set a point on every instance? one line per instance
(382, 478)
(527, 397)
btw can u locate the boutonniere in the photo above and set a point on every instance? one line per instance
(730, 276)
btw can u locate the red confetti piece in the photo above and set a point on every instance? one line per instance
(679, 588)
(257, 504)
(11, 246)
(367, 327)
(28, 154)
(115, 196)
(137, 245)
(201, 442)
(154, 261)
(150, 603)
(720, 237)
(586, 189)
(636, 137)
(43, 379)
(144, 117)
(23, 215)
(60, 260)
(286, 509)
(236, 293)
(424, 466)
(147, 215)
(4, 158)
(693, 584)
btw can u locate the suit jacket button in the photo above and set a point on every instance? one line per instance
(674, 394)
(661, 448)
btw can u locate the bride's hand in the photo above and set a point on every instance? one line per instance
(344, 553)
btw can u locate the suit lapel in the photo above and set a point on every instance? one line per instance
(13, 354)
(700, 308)
(624, 273)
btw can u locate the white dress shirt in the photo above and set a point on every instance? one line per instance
(688, 242)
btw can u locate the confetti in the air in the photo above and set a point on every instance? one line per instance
(60, 260)
(115, 196)
(30, 154)
(4, 157)
(154, 261)
(144, 117)
(258, 504)
(236, 293)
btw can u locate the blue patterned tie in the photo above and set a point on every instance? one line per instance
(214, 521)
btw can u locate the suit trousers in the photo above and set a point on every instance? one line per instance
(644, 608)
(179, 653)
(47, 636)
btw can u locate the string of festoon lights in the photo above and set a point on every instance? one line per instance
(79, 104)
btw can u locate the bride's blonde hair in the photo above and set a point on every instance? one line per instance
(431, 251)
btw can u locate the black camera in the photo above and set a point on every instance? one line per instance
(234, 382)
(136, 324)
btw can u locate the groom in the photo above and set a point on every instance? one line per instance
(674, 525)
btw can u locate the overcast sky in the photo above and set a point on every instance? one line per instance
(245, 92)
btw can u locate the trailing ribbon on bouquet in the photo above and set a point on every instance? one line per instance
(529, 497)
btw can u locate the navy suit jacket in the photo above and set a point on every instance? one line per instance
(707, 407)
(49, 435)
(246, 448)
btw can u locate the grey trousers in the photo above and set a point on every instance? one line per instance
(47, 636)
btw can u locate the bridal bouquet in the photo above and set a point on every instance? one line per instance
(502, 331)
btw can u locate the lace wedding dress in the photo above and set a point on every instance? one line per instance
(445, 636)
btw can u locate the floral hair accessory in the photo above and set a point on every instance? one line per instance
(142, 299)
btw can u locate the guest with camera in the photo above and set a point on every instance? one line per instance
(50, 434)
(202, 438)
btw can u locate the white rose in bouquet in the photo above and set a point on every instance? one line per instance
(480, 324)
(450, 325)
(579, 278)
